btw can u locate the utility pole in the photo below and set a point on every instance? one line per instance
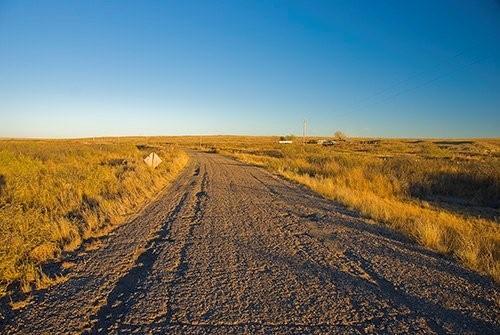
(304, 132)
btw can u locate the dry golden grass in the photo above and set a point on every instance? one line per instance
(54, 194)
(15, 305)
(445, 194)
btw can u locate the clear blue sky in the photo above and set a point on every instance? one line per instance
(423, 68)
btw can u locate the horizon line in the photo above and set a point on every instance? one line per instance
(239, 135)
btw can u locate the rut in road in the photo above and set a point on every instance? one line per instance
(230, 248)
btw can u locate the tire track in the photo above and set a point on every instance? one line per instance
(115, 306)
(201, 199)
(129, 285)
(182, 264)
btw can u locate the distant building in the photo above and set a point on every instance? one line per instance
(321, 141)
(285, 142)
(327, 143)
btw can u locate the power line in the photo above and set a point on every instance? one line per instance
(413, 75)
(413, 88)
(432, 80)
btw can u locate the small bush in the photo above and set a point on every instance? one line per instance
(340, 136)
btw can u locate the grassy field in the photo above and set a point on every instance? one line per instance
(55, 194)
(445, 194)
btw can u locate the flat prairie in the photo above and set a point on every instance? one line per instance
(54, 194)
(230, 248)
(211, 242)
(443, 193)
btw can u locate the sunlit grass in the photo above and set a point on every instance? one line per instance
(443, 194)
(55, 194)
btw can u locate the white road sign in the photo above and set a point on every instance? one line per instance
(153, 160)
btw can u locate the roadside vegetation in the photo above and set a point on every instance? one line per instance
(445, 194)
(55, 194)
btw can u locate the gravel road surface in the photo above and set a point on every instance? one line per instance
(229, 248)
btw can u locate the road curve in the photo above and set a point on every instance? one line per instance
(230, 248)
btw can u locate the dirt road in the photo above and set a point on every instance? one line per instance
(229, 248)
